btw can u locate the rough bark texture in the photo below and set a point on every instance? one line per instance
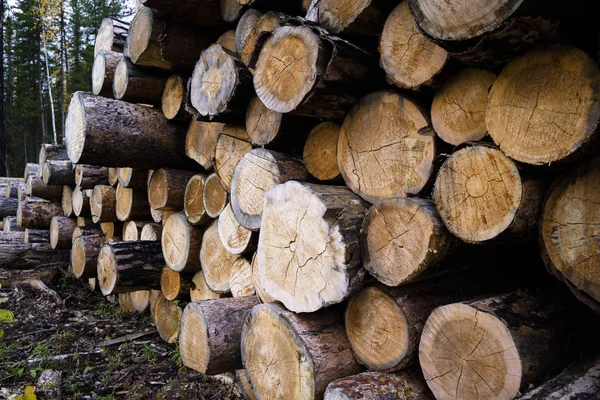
(88, 176)
(9, 224)
(166, 190)
(84, 255)
(58, 173)
(36, 236)
(240, 280)
(111, 36)
(8, 207)
(36, 187)
(136, 84)
(14, 255)
(406, 385)
(103, 72)
(37, 214)
(52, 152)
(61, 232)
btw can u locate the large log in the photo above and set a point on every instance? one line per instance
(103, 72)
(214, 196)
(81, 202)
(256, 173)
(111, 36)
(181, 244)
(529, 125)
(233, 143)
(201, 142)
(406, 385)
(210, 333)
(15, 255)
(235, 238)
(37, 213)
(136, 84)
(103, 204)
(569, 232)
(8, 207)
(320, 152)
(493, 347)
(313, 346)
(386, 128)
(173, 98)
(166, 189)
(193, 202)
(308, 250)
(217, 263)
(84, 255)
(130, 266)
(114, 133)
(480, 194)
(61, 232)
(36, 187)
(132, 204)
(58, 172)
(199, 290)
(88, 176)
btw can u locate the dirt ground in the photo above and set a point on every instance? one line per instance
(69, 338)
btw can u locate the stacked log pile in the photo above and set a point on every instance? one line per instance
(303, 191)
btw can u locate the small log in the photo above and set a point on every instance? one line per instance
(21, 191)
(244, 27)
(491, 347)
(313, 345)
(129, 266)
(103, 204)
(256, 173)
(112, 229)
(113, 176)
(220, 82)
(154, 295)
(115, 134)
(151, 231)
(36, 187)
(235, 238)
(84, 221)
(18, 255)
(67, 201)
(37, 214)
(173, 98)
(132, 204)
(479, 194)
(167, 315)
(308, 249)
(227, 41)
(181, 243)
(140, 300)
(174, 285)
(53, 152)
(231, 10)
(166, 190)
(240, 280)
(61, 232)
(136, 84)
(12, 189)
(31, 169)
(132, 178)
(88, 176)
(320, 152)
(217, 263)
(84, 255)
(89, 230)
(199, 290)
(36, 236)
(10, 237)
(193, 202)
(408, 143)
(258, 286)
(459, 106)
(409, 59)
(132, 230)
(233, 143)
(125, 302)
(8, 207)
(204, 13)
(407, 385)
(209, 339)
(201, 142)
(111, 36)
(214, 196)
(267, 22)
(81, 202)
(9, 224)
(103, 72)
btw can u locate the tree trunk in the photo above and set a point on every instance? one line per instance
(136, 84)
(111, 36)
(132, 204)
(61, 232)
(167, 315)
(9, 224)
(129, 266)
(8, 207)
(132, 231)
(308, 249)
(214, 196)
(235, 238)
(204, 13)
(133, 178)
(181, 243)
(89, 230)
(36, 187)
(58, 173)
(256, 173)
(173, 98)
(210, 333)
(193, 202)
(37, 214)
(201, 142)
(217, 262)
(67, 201)
(52, 152)
(151, 231)
(409, 145)
(118, 134)
(36, 236)
(14, 255)
(31, 169)
(406, 385)
(175, 285)
(313, 346)
(320, 152)
(84, 255)
(200, 291)
(81, 202)
(103, 72)
(103, 204)
(166, 190)
(505, 348)
(88, 176)
(240, 280)
(233, 143)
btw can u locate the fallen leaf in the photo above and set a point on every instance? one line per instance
(7, 316)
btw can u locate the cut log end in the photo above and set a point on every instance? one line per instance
(105, 36)
(214, 196)
(234, 236)
(201, 142)
(217, 262)
(158, 189)
(121, 79)
(194, 201)
(320, 152)
(176, 239)
(170, 283)
(244, 26)
(98, 72)
(167, 316)
(227, 41)
(262, 124)
(200, 291)
(140, 300)
(173, 96)
(151, 232)
(139, 33)
(107, 270)
(78, 258)
(194, 339)
(75, 128)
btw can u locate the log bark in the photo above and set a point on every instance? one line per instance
(243, 385)
(513, 341)
(214, 196)
(12, 237)
(53, 152)
(568, 233)
(132, 204)
(209, 339)
(459, 106)
(8, 207)
(9, 224)
(140, 300)
(85, 221)
(220, 83)
(81, 202)
(217, 263)
(235, 238)
(84, 255)
(36, 236)
(256, 173)
(14, 255)
(166, 190)
(167, 316)
(129, 266)
(12, 189)
(244, 27)
(406, 385)
(181, 243)
(103, 72)
(104, 204)
(67, 201)
(308, 250)
(314, 346)
(22, 190)
(320, 152)
(113, 133)
(408, 143)
(480, 194)
(132, 230)
(132, 178)
(173, 98)
(204, 13)
(88, 176)
(36, 187)
(240, 281)
(174, 285)
(31, 169)
(157, 42)
(111, 36)
(233, 143)
(403, 240)
(136, 84)
(201, 142)
(151, 231)
(61, 232)
(193, 202)
(37, 214)
(199, 290)
(89, 230)
(534, 134)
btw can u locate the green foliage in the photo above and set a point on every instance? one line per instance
(175, 356)
(6, 316)
(149, 353)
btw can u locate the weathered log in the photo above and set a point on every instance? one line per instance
(53, 152)
(209, 339)
(61, 232)
(480, 194)
(84, 255)
(233, 143)
(103, 72)
(111, 36)
(67, 201)
(569, 232)
(36, 187)
(492, 347)
(9, 224)
(103, 204)
(231, 10)
(240, 281)
(214, 196)
(21, 190)
(10, 237)
(407, 142)
(193, 203)
(151, 231)
(86, 230)
(116, 134)
(235, 238)
(201, 142)
(308, 249)
(132, 178)
(88, 176)
(175, 285)
(140, 300)
(256, 173)
(8, 207)
(227, 41)
(314, 346)
(166, 190)
(36, 236)
(31, 169)
(263, 23)
(199, 290)
(130, 266)
(132, 204)
(167, 315)
(244, 27)
(15, 255)
(136, 84)
(12, 189)
(81, 202)
(320, 152)
(406, 385)
(181, 243)
(173, 98)
(132, 230)
(37, 214)
(125, 302)
(217, 263)
(459, 106)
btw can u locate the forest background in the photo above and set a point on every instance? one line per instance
(47, 48)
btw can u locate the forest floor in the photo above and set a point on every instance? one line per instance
(71, 336)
